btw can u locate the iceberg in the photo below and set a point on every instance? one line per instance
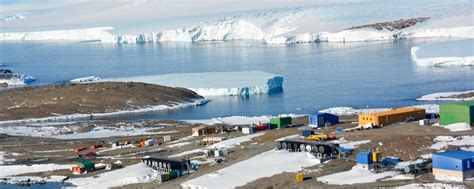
(215, 83)
(9, 78)
(452, 53)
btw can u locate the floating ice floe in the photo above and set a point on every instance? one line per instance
(451, 53)
(445, 96)
(215, 83)
(262, 165)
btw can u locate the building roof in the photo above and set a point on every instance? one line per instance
(462, 103)
(395, 111)
(457, 154)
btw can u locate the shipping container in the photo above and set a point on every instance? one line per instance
(322, 119)
(392, 116)
(281, 122)
(87, 165)
(364, 158)
(261, 127)
(306, 133)
(458, 112)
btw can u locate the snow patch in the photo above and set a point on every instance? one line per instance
(10, 170)
(137, 173)
(262, 165)
(442, 142)
(85, 79)
(431, 186)
(356, 175)
(456, 127)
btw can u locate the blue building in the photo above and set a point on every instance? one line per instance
(322, 119)
(364, 159)
(457, 164)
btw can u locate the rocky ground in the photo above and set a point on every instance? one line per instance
(392, 25)
(407, 141)
(461, 96)
(53, 100)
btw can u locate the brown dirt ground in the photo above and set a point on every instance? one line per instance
(461, 96)
(406, 140)
(44, 101)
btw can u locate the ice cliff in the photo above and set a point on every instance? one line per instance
(215, 83)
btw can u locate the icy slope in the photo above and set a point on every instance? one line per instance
(215, 83)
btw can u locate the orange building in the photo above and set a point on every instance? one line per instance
(392, 116)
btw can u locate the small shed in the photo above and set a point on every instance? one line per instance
(319, 119)
(281, 122)
(86, 165)
(455, 164)
(458, 112)
(364, 159)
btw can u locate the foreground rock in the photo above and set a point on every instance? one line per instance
(55, 100)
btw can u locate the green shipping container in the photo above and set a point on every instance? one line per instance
(281, 122)
(459, 112)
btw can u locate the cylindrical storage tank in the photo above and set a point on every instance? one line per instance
(295, 147)
(302, 147)
(314, 149)
(283, 145)
(308, 148)
(278, 145)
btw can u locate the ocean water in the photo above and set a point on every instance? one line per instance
(316, 76)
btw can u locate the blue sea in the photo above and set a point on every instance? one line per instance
(316, 76)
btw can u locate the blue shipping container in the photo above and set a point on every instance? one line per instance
(321, 119)
(455, 160)
(306, 133)
(364, 158)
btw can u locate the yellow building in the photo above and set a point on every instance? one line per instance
(392, 116)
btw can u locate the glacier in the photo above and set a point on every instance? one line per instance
(272, 23)
(214, 83)
(450, 53)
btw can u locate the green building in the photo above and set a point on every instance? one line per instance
(87, 165)
(281, 122)
(458, 112)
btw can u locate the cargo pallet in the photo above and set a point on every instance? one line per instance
(319, 149)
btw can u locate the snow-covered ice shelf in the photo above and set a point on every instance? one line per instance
(262, 165)
(215, 83)
(451, 53)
